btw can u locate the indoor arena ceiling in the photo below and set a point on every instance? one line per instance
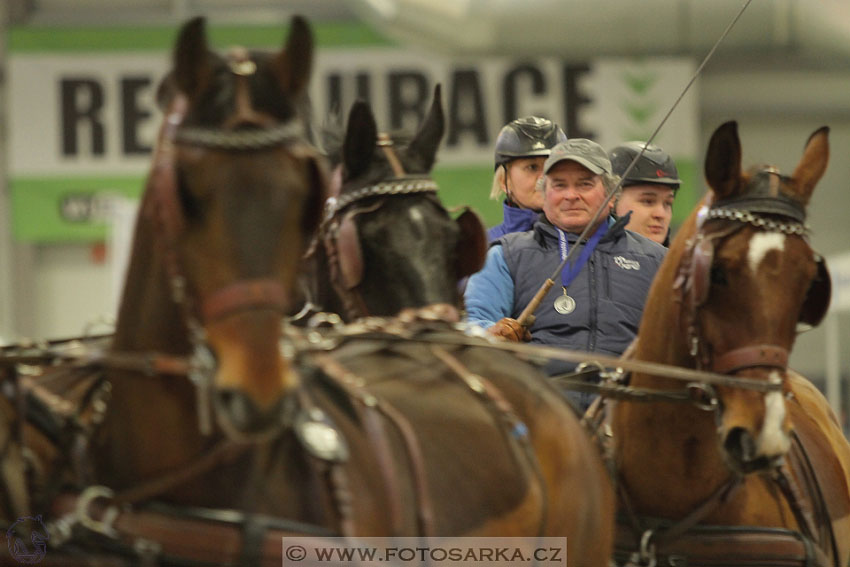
(796, 33)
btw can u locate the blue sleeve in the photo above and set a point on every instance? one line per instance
(490, 293)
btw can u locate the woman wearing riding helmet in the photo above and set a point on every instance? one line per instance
(521, 149)
(648, 190)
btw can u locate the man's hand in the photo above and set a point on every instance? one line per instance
(510, 330)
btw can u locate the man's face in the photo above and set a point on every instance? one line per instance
(573, 195)
(521, 177)
(652, 210)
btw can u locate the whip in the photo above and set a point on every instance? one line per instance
(547, 285)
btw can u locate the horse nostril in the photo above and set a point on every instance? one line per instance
(740, 445)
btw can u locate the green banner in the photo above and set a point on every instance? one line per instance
(83, 118)
(66, 210)
(76, 210)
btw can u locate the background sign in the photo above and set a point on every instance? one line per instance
(82, 123)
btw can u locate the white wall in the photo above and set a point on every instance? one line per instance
(72, 291)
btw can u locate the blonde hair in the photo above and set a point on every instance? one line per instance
(497, 189)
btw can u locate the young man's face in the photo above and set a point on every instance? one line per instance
(573, 195)
(521, 177)
(652, 209)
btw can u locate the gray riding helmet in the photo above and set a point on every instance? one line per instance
(654, 166)
(529, 136)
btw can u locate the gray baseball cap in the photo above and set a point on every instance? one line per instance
(581, 150)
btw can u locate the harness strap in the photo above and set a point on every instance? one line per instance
(184, 535)
(753, 356)
(13, 467)
(795, 499)
(723, 493)
(378, 434)
(517, 431)
(351, 384)
(223, 452)
(815, 515)
(247, 294)
(386, 144)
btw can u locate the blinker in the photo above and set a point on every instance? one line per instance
(763, 195)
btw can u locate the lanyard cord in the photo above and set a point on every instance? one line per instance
(541, 293)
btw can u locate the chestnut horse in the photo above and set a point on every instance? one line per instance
(212, 432)
(763, 450)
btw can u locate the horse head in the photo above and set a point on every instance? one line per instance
(747, 278)
(389, 242)
(236, 194)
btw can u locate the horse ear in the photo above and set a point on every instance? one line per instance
(293, 65)
(723, 160)
(812, 165)
(360, 139)
(426, 141)
(192, 69)
(165, 91)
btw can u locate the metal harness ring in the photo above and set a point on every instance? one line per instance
(81, 511)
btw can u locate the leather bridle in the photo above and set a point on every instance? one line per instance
(165, 207)
(338, 230)
(693, 280)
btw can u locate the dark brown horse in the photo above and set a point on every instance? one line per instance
(389, 247)
(763, 449)
(268, 433)
(387, 243)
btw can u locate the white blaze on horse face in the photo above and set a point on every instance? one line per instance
(773, 441)
(760, 244)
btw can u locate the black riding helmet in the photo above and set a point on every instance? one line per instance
(654, 166)
(529, 136)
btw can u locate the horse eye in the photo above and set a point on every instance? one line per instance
(718, 275)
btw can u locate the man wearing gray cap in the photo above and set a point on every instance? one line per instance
(597, 300)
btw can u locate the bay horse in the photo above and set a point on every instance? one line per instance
(213, 431)
(761, 458)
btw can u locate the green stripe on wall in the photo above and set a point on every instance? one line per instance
(36, 202)
(37, 217)
(36, 207)
(156, 38)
